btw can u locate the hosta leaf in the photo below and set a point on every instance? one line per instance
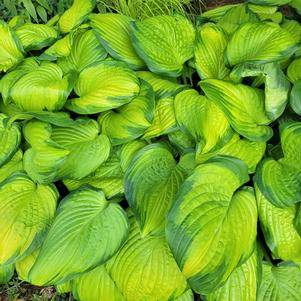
(278, 229)
(260, 43)
(10, 138)
(164, 120)
(251, 152)
(235, 17)
(108, 177)
(270, 2)
(162, 86)
(113, 85)
(6, 273)
(144, 269)
(75, 15)
(130, 120)
(242, 283)
(295, 97)
(13, 165)
(11, 51)
(113, 30)
(85, 222)
(165, 43)
(211, 228)
(293, 27)
(44, 88)
(86, 50)
(151, 182)
(202, 120)
(243, 106)
(211, 43)
(297, 5)
(280, 283)
(64, 152)
(36, 36)
(96, 285)
(266, 13)
(294, 71)
(24, 265)
(181, 141)
(27, 210)
(279, 181)
(187, 296)
(276, 85)
(215, 14)
(63, 288)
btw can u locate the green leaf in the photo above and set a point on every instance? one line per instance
(42, 13)
(164, 121)
(151, 182)
(64, 152)
(280, 283)
(212, 225)
(113, 30)
(295, 97)
(36, 36)
(278, 229)
(11, 51)
(10, 138)
(279, 181)
(96, 285)
(270, 2)
(30, 9)
(215, 14)
(166, 48)
(85, 222)
(43, 88)
(75, 15)
(293, 27)
(112, 85)
(260, 43)
(131, 120)
(108, 177)
(294, 71)
(211, 43)
(13, 165)
(202, 120)
(266, 13)
(6, 273)
(276, 85)
(242, 283)
(26, 210)
(144, 269)
(243, 106)
(24, 265)
(86, 50)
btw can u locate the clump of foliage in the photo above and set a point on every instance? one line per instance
(138, 156)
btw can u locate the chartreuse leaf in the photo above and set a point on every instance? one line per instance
(24, 265)
(297, 5)
(86, 50)
(85, 222)
(10, 138)
(215, 14)
(282, 282)
(26, 209)
(211, 42)
(202, 120)
(104, 86)
(181, 141)
(13, 165)
(36, 36)
(11, 51)
(6, 273)
(108, 177)
(164, 42)
(151, 182)
(251, 152)
(96, 285)
(131, 120)
(279, 181)
(293, 27)
(113, 30)
(164, 121)
(278, 229)
(260, 43)
(187, 296)
(243, 106)
(295, 97)
(270, 2)
(145, 269)
(266, 12)
(64, 152)
(63, 288)
(242, 283)
(294, 71)
(235, 17)
(276, 85)
(211, 227)
(75, 15)
(43, 88)
(162, 86)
